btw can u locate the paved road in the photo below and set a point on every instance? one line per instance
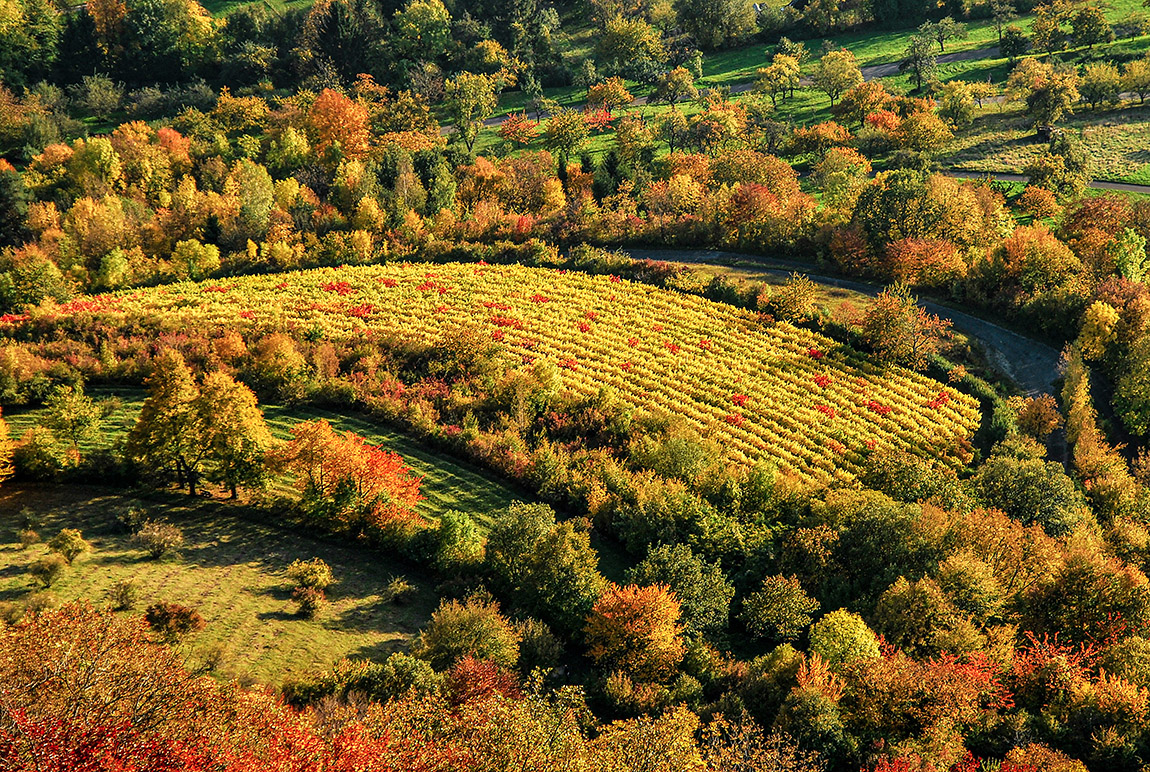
(1029, 363)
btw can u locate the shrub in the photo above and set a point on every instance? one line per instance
(27, 538)
(122, 594)
(69, 543)
(398, 590)
(314, 574)
(40, 601)
(472, 628)
(158, 539)
(131, 520)
(173, 621)
(1039, 203)
(310, 600)
(47, 569)
(538, 646)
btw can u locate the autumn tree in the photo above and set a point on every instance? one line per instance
(1101, 84)
(837, 72)
(610, 95)
(674, 85)
(1091, 27)
(717, 23)
(636, 630)
(339, 127)
(424, 28)
(6, 449)
(1049, 92)
(629, 46)
(233, 432)
(166, 434)
(1136, 78)
(347, 482)
(841, 637)
(470, 100)
(900, 330)
(565, 133)
(943, 30)
(780, 78)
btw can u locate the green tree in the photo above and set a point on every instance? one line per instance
(548, 568)
(943, 30)
(458, 543)
(956, 103)
(470, 100)
(424, 29)
(1132, 395)
(472, 628)
(1032, 491)
(779, 610)
(630, 47)
(841, 637)
(1014, 43)
(1002, 12)
(703, 591)
(194, 260)
(1128, 251)
(717, 23)
(919, 58)
(837, 72)
(73, 416)
(14, 200)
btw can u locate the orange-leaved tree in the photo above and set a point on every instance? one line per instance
(637, 630)
(339, 127)
(349, 482)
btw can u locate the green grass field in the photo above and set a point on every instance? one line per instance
(447, 483)
(231, 569)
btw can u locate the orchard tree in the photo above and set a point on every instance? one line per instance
(901, 331)
(1136, 77)
(610, 95)
(1014, 43)
(943, 30)
(470, 100)
(630, 47)
(919, 58)
(864, 99)
(1101, 84)
(233, 432)
(837, 72)
(780, 78)
(674, 85)
(565, 133)
(1091, 27)
(636, 630)
(956, 103)
(1049, 92)
(1002, 12)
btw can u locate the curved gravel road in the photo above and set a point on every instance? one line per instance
(1029, 363)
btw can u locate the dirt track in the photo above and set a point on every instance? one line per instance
(1029, 363)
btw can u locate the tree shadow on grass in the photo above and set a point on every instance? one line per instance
(280, 616)
(380, 651)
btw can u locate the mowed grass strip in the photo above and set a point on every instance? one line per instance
(231, 570)
(448, 483)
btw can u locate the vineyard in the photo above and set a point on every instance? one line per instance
(764, 390)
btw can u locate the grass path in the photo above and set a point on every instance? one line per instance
(448, 483)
